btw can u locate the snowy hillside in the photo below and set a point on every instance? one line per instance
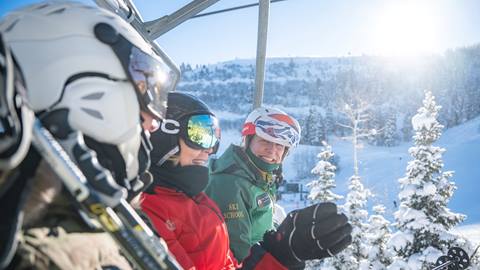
(314, 90)
(471, 232)
(380, 167)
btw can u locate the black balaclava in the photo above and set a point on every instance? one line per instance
(190, 180)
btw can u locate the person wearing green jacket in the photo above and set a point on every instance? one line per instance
(243, 181)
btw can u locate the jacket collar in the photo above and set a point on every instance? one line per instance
(235, 161)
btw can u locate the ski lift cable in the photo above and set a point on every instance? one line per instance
(231, 9)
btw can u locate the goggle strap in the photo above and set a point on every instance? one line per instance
(123, 49)
(170, 153)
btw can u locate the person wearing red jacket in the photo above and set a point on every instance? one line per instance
(191, 223)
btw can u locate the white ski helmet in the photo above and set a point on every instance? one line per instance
(272, 125)
(91, 63)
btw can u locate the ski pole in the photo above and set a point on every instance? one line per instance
(136, 241)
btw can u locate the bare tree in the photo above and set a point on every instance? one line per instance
(356, 113)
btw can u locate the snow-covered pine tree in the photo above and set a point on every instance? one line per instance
(321, 191)
(329, 122)
(318, 130)
(406, 130)
(321, 188)
(313, 132)
(390, 133)
(378, 234)
(423, 219)
(307, 127)
(355, 209)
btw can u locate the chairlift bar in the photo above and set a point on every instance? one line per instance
(160, 26)
(263, 11)
(232, 9)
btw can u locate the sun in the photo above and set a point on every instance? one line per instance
(404, 29)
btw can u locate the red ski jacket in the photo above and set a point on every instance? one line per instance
(195, 232)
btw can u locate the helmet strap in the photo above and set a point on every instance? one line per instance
(285, 153)
(259, 163)
(246, 140)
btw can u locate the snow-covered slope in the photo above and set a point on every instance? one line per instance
(471, 232)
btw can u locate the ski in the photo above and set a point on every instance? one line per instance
(140, 246)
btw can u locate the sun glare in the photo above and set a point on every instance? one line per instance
(405, 29)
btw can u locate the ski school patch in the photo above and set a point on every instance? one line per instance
(263, 200)
(233, 212)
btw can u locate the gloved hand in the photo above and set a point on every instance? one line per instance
(315, 232)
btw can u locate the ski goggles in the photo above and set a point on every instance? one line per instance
(152, 76)
(202, 132)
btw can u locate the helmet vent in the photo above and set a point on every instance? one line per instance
(57, 11)
(93, 113)
(94, 96)
(10, 27)
(108, 16)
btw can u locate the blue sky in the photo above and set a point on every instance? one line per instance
(316, 28)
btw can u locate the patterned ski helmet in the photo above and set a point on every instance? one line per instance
(272, 125)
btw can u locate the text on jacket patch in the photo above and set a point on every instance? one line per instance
(233, 212)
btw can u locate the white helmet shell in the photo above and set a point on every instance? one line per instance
(273, 125)
(54, 42)
(107, 111)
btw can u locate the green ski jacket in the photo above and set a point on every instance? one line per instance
(246, 197)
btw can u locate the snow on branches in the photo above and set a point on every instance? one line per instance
(423, 219)
(321, 188)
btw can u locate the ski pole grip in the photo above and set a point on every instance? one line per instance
(98, 177)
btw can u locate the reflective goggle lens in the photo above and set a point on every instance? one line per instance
(203, 131)
(153, 80)
(153, 75)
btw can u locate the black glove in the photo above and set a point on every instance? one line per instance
(315, 232)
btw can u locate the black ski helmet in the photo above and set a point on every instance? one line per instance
(165, 140)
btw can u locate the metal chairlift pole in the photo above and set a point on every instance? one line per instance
(263, 11)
